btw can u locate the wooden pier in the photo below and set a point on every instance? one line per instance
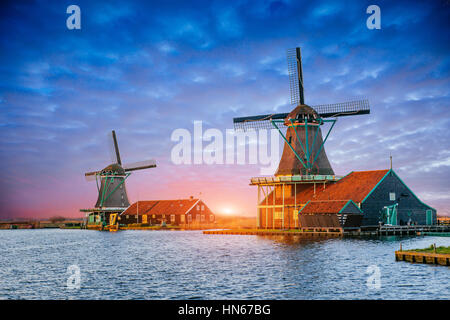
(399, 231)
(423, 257)
(410, 230)
(306, 234)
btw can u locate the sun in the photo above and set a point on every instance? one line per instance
(228, 211)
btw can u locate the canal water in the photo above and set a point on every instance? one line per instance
(34, 264)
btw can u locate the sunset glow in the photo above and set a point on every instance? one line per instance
(228, 211)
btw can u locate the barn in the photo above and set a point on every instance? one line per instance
(182, 212)
(375, 193)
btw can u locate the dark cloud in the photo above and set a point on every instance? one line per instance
(146, 68)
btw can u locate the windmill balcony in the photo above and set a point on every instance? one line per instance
(294, 179)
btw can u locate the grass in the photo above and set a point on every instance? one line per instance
(430, 249)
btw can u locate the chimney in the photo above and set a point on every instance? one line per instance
(191, 197)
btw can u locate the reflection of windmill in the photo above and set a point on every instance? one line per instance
(303, 152)
(112, 194)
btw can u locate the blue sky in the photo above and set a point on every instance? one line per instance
(146, 68)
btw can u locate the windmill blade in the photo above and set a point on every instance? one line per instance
(92, 173)
(257, 122)
(350, 108)
(90, 176)
(295, 71)
(140, 165)
(116, 148)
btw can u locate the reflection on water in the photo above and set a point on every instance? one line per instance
(191, 265)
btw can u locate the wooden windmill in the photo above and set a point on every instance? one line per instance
(112, 194)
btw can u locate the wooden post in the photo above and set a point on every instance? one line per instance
(267, 209)
(273, 207)
(295, 204)
(282, 210)
(258, 223)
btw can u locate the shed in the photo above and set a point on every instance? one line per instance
(330, 213)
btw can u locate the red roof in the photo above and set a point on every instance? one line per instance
(159, 207)
(355, 186)
(324, 206)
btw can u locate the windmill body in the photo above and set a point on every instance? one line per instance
(112, 183)
(299, 135)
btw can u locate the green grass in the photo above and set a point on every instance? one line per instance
(430, 249)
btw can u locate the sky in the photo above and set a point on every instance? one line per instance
(147, 68)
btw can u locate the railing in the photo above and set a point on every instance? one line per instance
(293, 179)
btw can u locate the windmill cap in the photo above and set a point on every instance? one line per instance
(301, 112)
(117, 168)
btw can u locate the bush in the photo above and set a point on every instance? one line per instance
(56, 219)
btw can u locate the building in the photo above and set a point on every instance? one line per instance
(377, 194)
(330, 214)
(183, 212)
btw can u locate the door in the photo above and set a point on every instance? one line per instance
(429, 214)
(390, 215)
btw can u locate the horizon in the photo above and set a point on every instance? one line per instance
(147, 69)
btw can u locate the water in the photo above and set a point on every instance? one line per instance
(191, 265)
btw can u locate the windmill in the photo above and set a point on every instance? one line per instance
(304, 152)
(112, 194)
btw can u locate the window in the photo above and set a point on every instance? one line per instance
(182, 218)
(128, 216)
(203, 207)
(189, 218)
(278, 214)
(392, 196)
(153, 216)
(172, 218)
(211, 217)
(278, 192)
(144, 218)
(203, 218)
(295, 215)
(197, 217)
(198, 208)
(163, 215)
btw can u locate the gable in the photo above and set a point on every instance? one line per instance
(351, 207)
(393, 183)
(193, 210)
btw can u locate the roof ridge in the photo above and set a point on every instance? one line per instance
(379, 170)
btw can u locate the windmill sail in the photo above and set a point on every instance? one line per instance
(116, 148)
(350, 108)
(140, 165)
(294, 60)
